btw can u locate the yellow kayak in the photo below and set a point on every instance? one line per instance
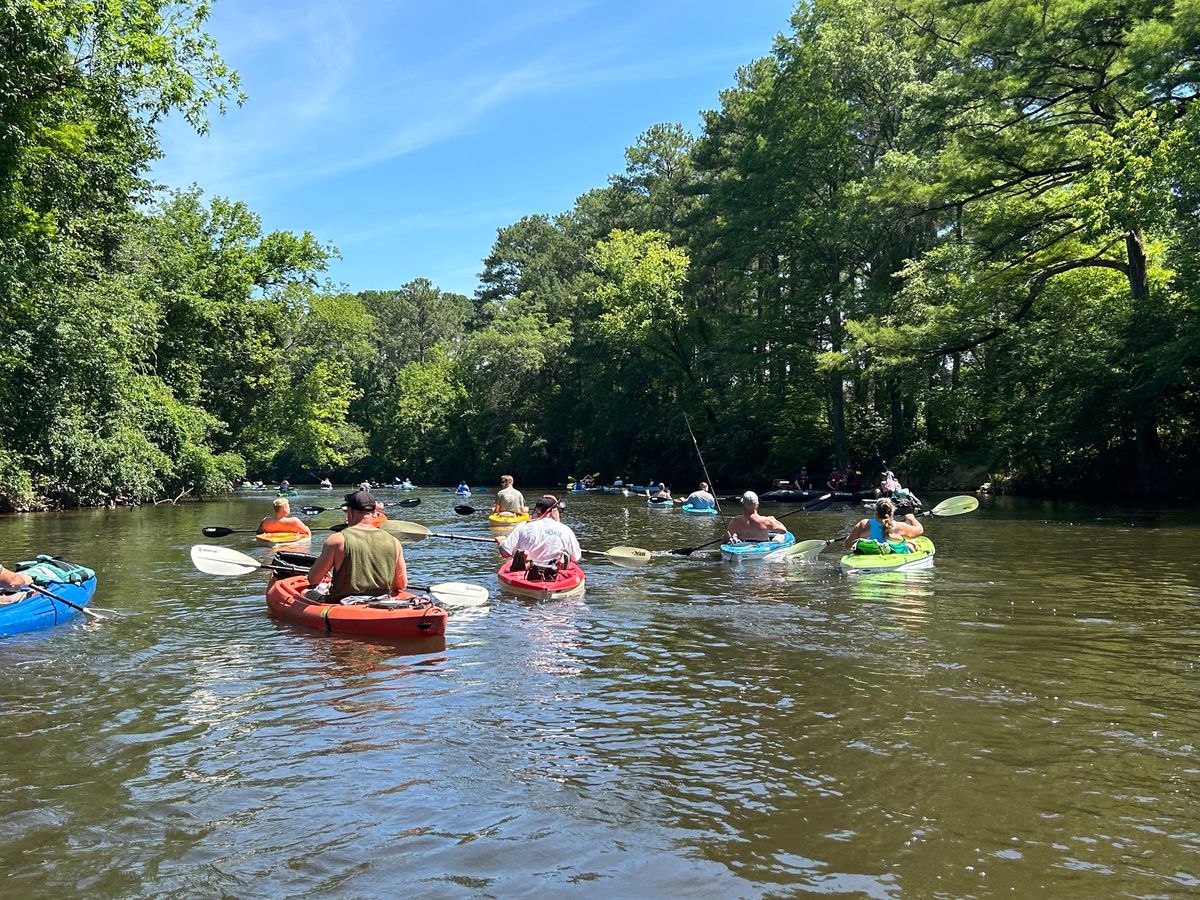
(507, 518)
(283, 537)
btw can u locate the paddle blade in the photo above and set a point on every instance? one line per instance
(464, 510)
(406, 532)
(629, 556)
(314, 510)
(805, 551)
(955, 506)
(217, 531)
(823, 502)
(459, 593)
(409, 504)
(213, 560)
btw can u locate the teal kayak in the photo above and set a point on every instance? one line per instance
(753, 550)
(660, 502)
(867, 563)
(699, 510)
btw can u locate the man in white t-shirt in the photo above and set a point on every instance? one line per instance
(543, 540)
(509, 499)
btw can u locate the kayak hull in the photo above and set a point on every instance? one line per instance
(37, 611)
(866, 564)
(282, 537)
(406, 616)
(753, 551)
(659, 504)
(698, 510)
(570, 583)
(507, 520)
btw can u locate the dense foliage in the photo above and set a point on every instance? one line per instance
(961, 236)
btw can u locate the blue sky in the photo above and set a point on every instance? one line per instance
(406, 133)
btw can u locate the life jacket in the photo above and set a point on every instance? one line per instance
(54, 570)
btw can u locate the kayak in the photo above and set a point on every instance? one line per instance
(569, 583)
(402, 615)
(752, 550)
(35, 610)
(406, 486)
(283, 537)
(286, 493)
(660, 502)
(699, 510)
(463, 494)
(507, 518)
(865, 563)
(790, 496)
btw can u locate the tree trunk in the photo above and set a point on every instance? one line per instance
(1153, 476)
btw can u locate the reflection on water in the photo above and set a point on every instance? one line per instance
(1021, 718)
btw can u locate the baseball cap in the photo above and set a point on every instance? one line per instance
(546, 503)
(360, 500)
(750, 499)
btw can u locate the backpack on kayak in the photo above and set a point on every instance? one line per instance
(54, 570)
(868, 547)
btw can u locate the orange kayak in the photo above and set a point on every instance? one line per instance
(402, 615)
(569, 583)
(283, 537)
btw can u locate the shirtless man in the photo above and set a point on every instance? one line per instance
(750, 525)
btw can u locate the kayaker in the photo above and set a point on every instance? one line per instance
(888, 483)
(285, 485)
(834, 482)
(542, 541)
(9, 581)
(364, 560)
(326, 483)
(752, 526)
(281, 521)
(658, 492)
(701, 498)
(463, 488)
(803, 480)
(509, 499)
(885, 528)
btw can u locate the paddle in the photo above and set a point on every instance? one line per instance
(633, 556)
(810, 550)
(708, 477)
(317, 510)
(464, 510)
(221, 531)
(823, 502)
(91, 614)
(213, 560)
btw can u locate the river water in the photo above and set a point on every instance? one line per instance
(1022, 719)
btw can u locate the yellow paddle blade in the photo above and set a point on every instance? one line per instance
(955, 506)
(406, 532)
(629, 556)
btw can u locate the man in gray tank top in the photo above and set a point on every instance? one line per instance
(363, 559)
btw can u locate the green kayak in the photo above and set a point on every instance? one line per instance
(867, 563)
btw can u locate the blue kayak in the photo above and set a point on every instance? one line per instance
(660, 502)
(699, 510)
(751, 550)
(39, 611)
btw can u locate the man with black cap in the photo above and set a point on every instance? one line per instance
(543, 540)
(364, 560)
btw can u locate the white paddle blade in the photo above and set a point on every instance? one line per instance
(459, 593)
(629, 556)
(956, 506)
(805, 551)
(213, 560)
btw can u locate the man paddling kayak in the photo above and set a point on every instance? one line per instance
(509, 499)
(281, 521)
(364, 560)
(544, 541)
(751, 525)
(701, 498)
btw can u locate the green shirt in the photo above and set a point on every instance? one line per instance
(368, 564)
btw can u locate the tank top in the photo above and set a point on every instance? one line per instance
(368, 564)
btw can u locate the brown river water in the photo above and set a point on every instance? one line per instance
(1023, 719)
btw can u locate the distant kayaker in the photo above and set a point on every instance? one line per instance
(701, 498)
(750, 525)
(364, 560)
(885, 528)
(10, 580)
(888, 483)
(281, 521)
(463, 488)
(543, 541)
(326, 483)
(658, 492)
(834, 482)
(285, 485)
(803, 480)
(509, 499)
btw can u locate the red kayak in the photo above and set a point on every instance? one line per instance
(569, 583)
(401, 615)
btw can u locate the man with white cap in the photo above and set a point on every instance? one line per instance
(750, 525)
